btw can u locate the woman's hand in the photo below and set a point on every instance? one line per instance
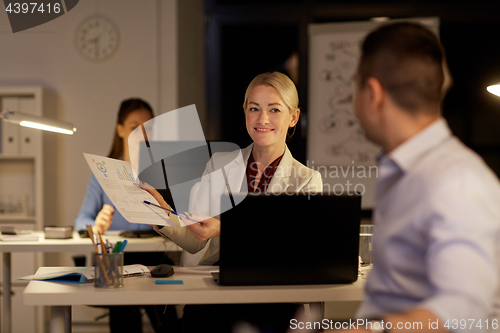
(104, 219)
(208, 227)
(158, 197)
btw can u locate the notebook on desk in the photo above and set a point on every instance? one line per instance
(290, 239)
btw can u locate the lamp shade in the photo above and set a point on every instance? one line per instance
(494, 89)
(28, 120)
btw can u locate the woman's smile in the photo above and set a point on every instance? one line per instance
(268, 118)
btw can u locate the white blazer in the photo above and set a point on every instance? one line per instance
(290, 176)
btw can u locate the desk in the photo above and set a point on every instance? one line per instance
(77, 244)
(197, 289)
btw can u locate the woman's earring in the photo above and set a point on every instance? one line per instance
(289, 135)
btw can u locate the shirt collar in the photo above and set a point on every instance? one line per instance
(427, 139)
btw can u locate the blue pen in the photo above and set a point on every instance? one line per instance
(168, 210)
(108, 246)
(124, 243)
(169, 282)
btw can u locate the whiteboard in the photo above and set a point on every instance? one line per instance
(336, 145)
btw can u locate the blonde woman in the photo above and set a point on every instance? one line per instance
(271, 113)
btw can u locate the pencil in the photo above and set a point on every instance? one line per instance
(108, 262)
(91, 235)
(104, 250)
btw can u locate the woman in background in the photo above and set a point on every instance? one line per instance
(97, 210)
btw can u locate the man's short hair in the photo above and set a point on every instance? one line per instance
(407, 59)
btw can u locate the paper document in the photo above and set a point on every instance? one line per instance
(119, 182)
(83, 274)
(202, 270)
(19, 238)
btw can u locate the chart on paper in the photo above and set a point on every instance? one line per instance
(120, 184)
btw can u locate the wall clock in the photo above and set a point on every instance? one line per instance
(97, 39)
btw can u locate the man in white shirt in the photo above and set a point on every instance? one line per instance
(436, 247)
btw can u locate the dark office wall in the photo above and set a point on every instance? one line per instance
(244, 38)
(191, 56)
(474, 61)
(246, 51)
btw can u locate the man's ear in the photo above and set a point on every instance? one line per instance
(376, 93)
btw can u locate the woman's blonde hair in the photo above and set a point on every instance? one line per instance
(282, 83)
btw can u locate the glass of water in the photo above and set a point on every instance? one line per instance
(365, 243)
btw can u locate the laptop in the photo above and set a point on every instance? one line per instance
(290, 239)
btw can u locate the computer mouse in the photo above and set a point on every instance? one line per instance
(83, 233)
(162, 270)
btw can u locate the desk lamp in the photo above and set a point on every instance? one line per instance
(494, 89)
(37, 122)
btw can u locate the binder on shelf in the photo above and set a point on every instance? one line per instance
(28, 136)
(10, 132)
(14, 204)
(10, 138)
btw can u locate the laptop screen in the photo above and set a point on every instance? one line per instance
(290, 239)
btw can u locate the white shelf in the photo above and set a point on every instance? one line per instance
(21, 174)
(16, 157)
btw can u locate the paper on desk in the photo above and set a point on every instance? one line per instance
(203, 270)
(120, 183)
(19, 238)
(83, 274)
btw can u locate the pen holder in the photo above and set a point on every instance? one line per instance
(108, 270)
